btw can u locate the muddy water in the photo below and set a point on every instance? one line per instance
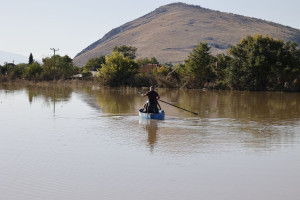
(64, 143)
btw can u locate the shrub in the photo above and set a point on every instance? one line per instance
(33, 71)
(118, 70)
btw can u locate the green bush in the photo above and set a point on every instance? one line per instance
(34, 71)
(118, 70)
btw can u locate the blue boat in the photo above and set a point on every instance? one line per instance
(160, 115)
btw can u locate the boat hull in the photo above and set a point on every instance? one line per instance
(159, 116)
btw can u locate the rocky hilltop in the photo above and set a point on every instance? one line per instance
(170, 32)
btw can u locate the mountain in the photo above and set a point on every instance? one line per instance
(12, 57)
(170, 32)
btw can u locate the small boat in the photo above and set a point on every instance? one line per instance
(160, 115)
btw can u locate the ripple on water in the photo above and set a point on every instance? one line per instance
(81, 152)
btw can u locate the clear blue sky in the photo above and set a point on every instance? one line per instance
(71, 25)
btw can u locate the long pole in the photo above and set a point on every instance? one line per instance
(54, 60)
(178, 107)
(175, 106)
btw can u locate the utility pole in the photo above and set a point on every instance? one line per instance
(54, 60)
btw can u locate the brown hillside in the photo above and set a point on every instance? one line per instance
(170, 32)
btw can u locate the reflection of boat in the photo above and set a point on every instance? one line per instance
(151, 128)
(160, 115)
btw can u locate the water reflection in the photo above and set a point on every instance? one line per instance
(263, 107)
(151, 127)
(257, 120)
(115, 101)
(49, 94)
(97, 143)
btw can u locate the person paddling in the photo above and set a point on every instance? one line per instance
(152, 105)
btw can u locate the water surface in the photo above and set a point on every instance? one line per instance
(86, 143)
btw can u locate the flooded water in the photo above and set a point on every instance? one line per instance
(62, 143)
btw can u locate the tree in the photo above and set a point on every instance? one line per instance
(118, 69)
(145, 61)
(154, 61)
(162, 70)
(222, 67)
(33, 71)
(95, 63)
(48, 65)
(198, 64)
(127, 51)
(17, 71)
(63, 67)
(7, 68)
(261, 63)
(3, 69)
(30, 59)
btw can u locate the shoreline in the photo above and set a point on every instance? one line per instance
(96, 85)
(83, 83)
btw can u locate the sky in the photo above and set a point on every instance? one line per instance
(35, 26)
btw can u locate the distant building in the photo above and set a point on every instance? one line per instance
(77, 76)
(80, 76)
(149, 68)
(94, 73)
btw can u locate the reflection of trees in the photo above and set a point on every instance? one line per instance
(10, 87)
(49, 94)
(228, 119)
(116, 101)
(256, 106)
(257, 119)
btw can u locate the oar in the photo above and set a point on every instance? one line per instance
(178, 107)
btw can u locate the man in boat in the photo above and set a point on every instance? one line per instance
(152, 105)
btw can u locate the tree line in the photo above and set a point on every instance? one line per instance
(51, 68)
(257, 63)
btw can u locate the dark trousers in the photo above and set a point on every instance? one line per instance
(150, 108)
